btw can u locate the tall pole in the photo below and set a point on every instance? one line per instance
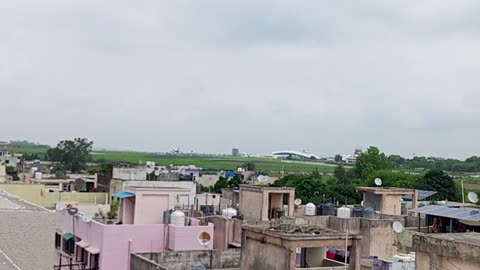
(346, 244)
(463, 193)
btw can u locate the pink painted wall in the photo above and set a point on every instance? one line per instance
(113, 240)
(185, 237)
(115, 252)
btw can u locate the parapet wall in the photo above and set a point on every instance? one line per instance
(211, 259)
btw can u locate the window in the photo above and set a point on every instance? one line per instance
(7, 161)
(81, 255)
(58, 240)
(94, 261)
(69, 246)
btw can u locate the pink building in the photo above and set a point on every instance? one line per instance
(140, 228)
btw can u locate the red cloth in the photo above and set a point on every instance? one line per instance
(330, 255)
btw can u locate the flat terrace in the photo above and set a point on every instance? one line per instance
(26, 233)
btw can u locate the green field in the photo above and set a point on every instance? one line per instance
(205, 161)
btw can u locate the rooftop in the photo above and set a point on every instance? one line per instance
(299, 232)
(465, 238)
(461, 213)
(386, 190)
(267, 188)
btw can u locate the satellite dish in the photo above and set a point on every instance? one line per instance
(157, 171)
(378, 181)
(204, 238)
(361, 203)
(60, 206)
(397, 227)
(473, 197)
(87, 217)
(298, 202)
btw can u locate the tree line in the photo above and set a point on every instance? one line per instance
(370, 164)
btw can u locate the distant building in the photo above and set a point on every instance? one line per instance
(8, 159)
(235, 152)
(294, 155)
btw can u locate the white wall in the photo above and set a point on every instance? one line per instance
(130, 173)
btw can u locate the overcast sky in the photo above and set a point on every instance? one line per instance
(324, 76)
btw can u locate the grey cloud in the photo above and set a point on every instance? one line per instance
(211, 75)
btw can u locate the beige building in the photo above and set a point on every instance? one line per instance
(266, 203)
(447, 251)
(387, 201)
(295, 247)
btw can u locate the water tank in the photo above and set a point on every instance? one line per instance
(343, 212)
(357, 212)
(319, 211)
(369, 213)
(199, 188)
(38, 175)
(177, 218)
(207, 209)
(229, 212)
(329, 209)
(310, 209)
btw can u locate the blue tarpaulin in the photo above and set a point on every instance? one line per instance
(123, 195)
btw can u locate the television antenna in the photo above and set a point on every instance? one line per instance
(298, 202)
(397, 227)
(473, 197)
(378, 181)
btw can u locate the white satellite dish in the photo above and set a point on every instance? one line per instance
(473, 197)
(361, 203)
(397, 227)
(157, 171)
(298, 202)
(87, 217)
(60, 206)
(378, 181)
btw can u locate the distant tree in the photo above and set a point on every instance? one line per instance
(396, 160)
(341, 175)
(221, 183)
(72, 154)
(10, 169)
(316, 174)
(101, 168)
(249, 166)
(338, 158)
(440, 182)
(394, 179)
(234, 181)
(370, 161)
(310, 190)
(58, 168)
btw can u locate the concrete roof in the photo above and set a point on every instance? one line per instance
(299, 232)
(262, 188)
(465, 238)
(463, 246)
(386, 190)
